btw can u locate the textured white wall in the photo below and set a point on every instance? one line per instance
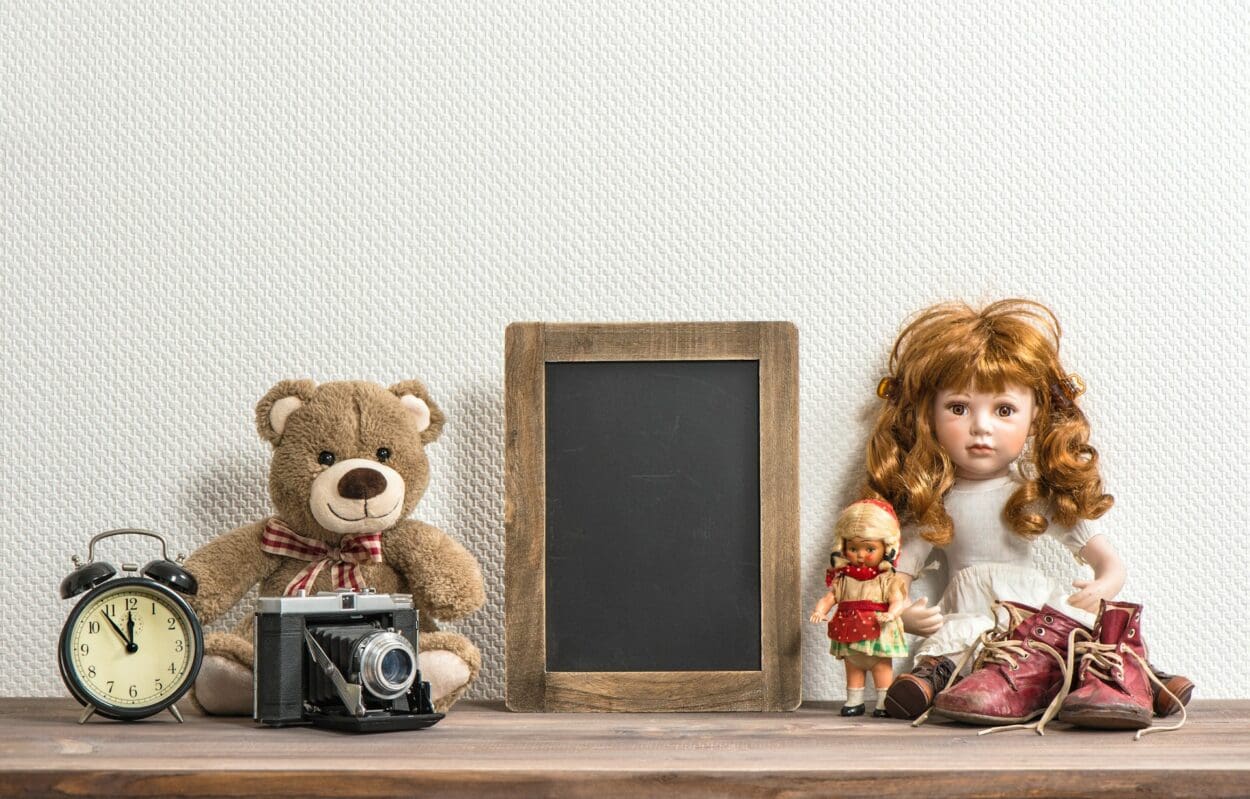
(198, 199)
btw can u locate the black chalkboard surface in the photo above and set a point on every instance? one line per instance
(653, 516)
(651, 487)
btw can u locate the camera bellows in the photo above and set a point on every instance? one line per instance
(380, 661)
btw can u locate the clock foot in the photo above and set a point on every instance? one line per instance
(177, 715)
(88, 713)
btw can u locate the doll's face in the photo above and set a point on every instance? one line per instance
(861, 552)
(983, 432)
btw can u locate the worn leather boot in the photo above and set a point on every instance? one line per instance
(911, 694)
(1017, 672)
(1111, 688)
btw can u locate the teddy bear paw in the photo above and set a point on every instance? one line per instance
(445, 671)
(224, 687)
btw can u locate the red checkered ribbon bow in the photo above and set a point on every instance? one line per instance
(278, 539)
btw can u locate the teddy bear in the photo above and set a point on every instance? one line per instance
(348, 467)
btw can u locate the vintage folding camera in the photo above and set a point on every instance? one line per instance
(343, 660)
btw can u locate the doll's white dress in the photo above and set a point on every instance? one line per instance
(988, 561)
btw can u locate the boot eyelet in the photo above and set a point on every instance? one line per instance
(1039, 631)
(1024, 655)
(1048, 619)
(1131, 633)
(1015, 667)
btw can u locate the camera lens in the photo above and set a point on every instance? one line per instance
(388, 665)
(396, 667)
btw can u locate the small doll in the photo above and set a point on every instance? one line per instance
(865, 632)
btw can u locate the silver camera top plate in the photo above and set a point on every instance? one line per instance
(335, 602)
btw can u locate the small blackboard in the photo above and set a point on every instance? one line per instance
(653, 508)
(652, 517)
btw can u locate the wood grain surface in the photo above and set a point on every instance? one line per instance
(525, 500)
(481, 749)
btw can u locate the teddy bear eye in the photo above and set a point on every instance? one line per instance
(384, 454)
(326, 458)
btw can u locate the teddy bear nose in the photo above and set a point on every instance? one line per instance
(362, 483)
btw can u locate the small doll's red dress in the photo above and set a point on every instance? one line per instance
(862, 592)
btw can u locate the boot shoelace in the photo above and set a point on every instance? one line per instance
(1101, 659)
(996, 647)
(991, 645)
(1106, 661)
(1065, 666)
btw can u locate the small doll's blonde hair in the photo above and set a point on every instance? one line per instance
(1010, 342)
(870, 520)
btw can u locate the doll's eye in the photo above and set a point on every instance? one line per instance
(1005, 410)
(384, 454)
(326, 458)
(957, 408)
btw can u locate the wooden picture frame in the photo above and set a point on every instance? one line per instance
(776, 685)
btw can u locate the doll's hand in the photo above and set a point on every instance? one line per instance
(920, 619)
(884, 617)
(1091, 593)
(817, 617)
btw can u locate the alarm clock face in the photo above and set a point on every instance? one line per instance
(131, 648)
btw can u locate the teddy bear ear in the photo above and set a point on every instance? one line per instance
(415, 398)
(277, 406)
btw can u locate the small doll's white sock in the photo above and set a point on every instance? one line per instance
(880, 699)
(854, 696)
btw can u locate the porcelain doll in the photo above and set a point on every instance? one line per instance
(865, 632)
(981, 447)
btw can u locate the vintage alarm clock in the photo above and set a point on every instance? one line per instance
(132, 646)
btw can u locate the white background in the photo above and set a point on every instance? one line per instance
(200, 199)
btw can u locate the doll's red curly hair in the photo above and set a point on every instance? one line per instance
(1010, 342)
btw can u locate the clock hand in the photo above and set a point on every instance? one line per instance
(131, 646)
(113, 624)
(125, 639)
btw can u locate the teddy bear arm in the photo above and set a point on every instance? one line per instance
(226, 568)
(443, 576)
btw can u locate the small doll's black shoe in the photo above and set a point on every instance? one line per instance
(852, 710)
(880, 713)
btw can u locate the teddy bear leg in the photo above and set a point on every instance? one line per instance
(224, 685)
(450, 664)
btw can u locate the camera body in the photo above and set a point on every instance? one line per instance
(345, 660)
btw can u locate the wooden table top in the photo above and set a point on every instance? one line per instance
(481, 749)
